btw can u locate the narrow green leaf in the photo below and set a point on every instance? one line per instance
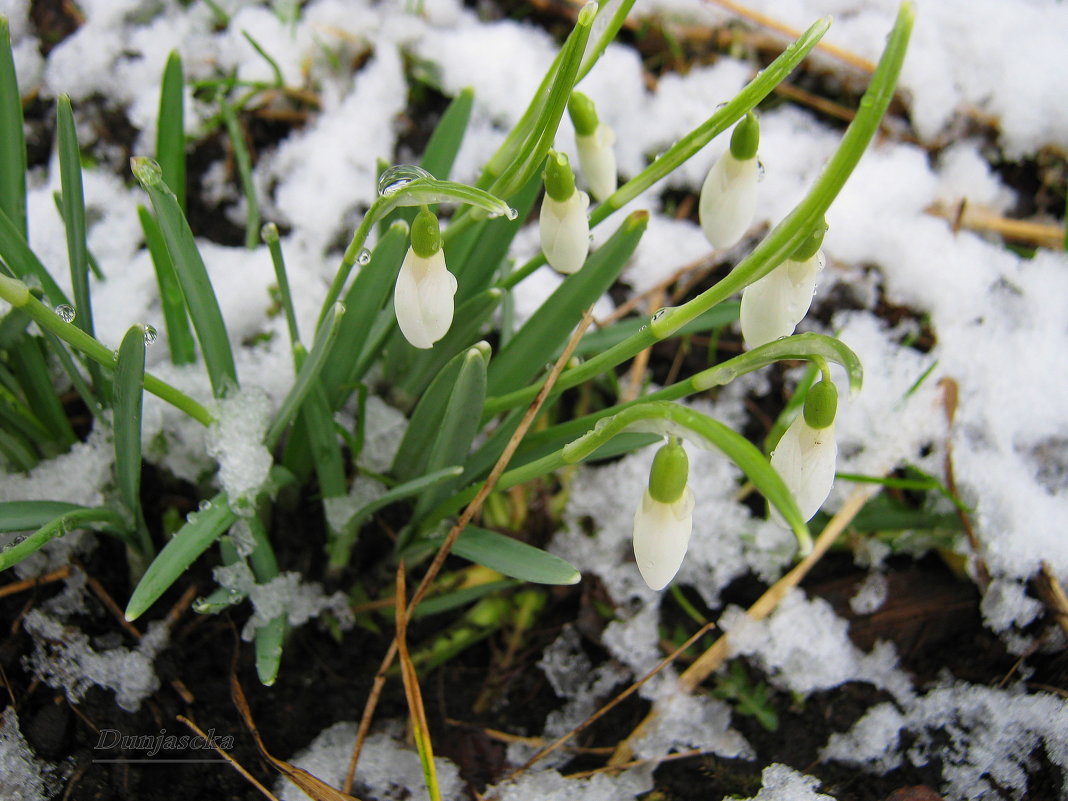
(193, 277)
(24, 262)
(73, 203)
(448, 135)
(546, 332)
(175, 318)
(307, 376)
(459, 423)
(12, 138)
(244, 172)
(129, 395)
(30, 366)
(602, 339)
(17, 450)
(201, 529)
(170, 129)
(513, 558)
(30, 515)
(269, 638)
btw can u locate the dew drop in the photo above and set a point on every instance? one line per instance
(511, 214)
(760, 170)
(659, 313)
(150, 333)
(201, 606)
(719, 106)
(204, 506)
(398, 176)
(364, 256)
(65, 313)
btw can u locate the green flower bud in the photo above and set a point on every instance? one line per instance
(821, 404)
(426, 235)
(670, 472)
(583, 114)
(558, 177)
(807, 249)
(746, 138)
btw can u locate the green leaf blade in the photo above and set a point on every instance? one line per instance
(514, 558)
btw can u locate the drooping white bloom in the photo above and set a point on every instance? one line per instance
(661, 537)
(805, 459)
(728, 200)
(773, 306)
(597, 158)
(565, 231)
(423, 298)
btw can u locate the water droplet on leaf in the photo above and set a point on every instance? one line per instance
(204, 506)
(659, 313)
(760, 170)
(363, 257)
(398, 176)
(511, 214)
(150, 334)
(65, 313)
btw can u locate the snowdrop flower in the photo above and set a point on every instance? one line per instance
(728, 196)
(664, 519)
(774, 305)
(564, 226)
(594, 140)
(423, 295)
(805, 456)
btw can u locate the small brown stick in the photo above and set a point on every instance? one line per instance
(30, 583)
(985, 220)
(109, 602)
(828, 107)
(506, 737)
(233, 762)
(465, 518)
(663, 663)
(1052, 592)
(632, 303)
(585, 774)
(716, 655)
(850, 58)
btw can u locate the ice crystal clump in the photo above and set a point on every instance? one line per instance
(235, 441)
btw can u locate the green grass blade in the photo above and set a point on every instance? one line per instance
(364, 300)
(73, 203)
(57, 527)
(448, 135)
(180, 340)
(170, 129)
(17, 449)
(24, 262)
(30, 366)
(12, 137)
(269, 638)
(193, 277)
(546, 332)
(129, 397)
(30, 515)
(201, 529)
(307, 376)
(269, 235)
(66, 361)
(244, 172)
(513, 558)
(342, 546)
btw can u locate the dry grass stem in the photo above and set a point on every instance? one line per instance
(233, 762)
(30, 583)
(987, 221)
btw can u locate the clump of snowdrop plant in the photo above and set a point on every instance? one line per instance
(729, 193)
(428, 350)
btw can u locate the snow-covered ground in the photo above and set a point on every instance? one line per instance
(999, 319)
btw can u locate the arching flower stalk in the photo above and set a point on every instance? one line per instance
(806, 455)
(774, 305)
(563, 225)
(664, 519)
(594, 140)
(423, 295)
(728, 195)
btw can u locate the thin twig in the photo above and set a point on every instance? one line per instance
(233, 762)
(368, 714)
(585, 774)
(30, 583)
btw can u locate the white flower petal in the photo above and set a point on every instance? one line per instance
(728, 200)
(422, 298)
(773, 306)
(805, 458)
(661, 536)
(598, 161)
(565, 231)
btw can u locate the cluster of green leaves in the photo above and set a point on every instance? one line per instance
(465, 399)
